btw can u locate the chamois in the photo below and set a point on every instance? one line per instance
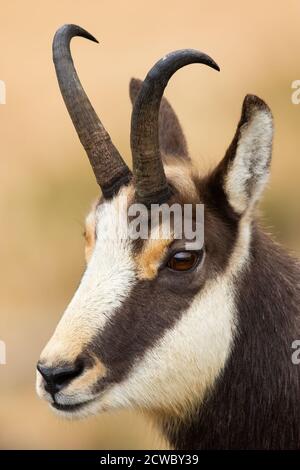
(199, 339)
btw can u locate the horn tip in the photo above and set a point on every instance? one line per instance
(71, 30)
(213, 64)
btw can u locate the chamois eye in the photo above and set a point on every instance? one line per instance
(184, 260)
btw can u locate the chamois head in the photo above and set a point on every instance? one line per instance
(152, 323)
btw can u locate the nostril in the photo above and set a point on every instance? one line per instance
(64, 375)
(58, 377)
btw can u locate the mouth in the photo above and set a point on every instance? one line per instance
(69, 408)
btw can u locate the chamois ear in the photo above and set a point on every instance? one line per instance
(244, 171)
(171, 138)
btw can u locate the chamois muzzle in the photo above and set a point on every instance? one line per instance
(57, 378)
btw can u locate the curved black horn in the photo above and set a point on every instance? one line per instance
(151, 183)
(110, 170)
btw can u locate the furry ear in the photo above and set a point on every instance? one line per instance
(244, 171)
(171, 137)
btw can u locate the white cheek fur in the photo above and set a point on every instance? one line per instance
(106, 283)
(177, 371)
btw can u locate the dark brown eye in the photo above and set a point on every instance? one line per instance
(184, 260)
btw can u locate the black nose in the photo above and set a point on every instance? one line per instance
(56, 378)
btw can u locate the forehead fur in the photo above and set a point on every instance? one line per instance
(182, 176)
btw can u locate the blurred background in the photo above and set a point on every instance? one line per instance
(47, 184)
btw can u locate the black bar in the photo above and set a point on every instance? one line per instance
(132, 459)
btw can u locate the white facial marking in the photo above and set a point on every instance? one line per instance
(185, 363)
(106, 283)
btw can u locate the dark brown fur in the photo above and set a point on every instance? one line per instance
(256, 401)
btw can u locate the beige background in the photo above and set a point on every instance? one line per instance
(46, 182)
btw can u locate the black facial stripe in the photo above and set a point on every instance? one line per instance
(154, 306)
(149, 311)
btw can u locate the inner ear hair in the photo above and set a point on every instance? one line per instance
(244, 171)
